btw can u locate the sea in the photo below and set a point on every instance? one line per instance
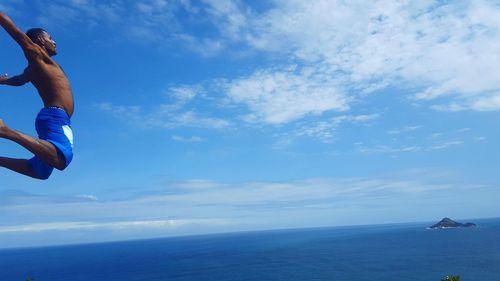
(398, 252)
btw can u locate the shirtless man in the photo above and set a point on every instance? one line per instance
(54, 145)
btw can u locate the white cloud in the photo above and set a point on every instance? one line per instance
(323, 131)
(178, 109)
(229, 15)
(450, 107)
(189, 139)
(331, 54)
(152, 21)
(163, 116)
(199, 205)
(449, 50)
(444, 145)
(207, 47)
(187, 199)
(403, 130)
(277, 97)
(491, 103)
(130, 113)
(190, 119)
(116, 225)
(483, 103)
(389, 149)
(87, 197)
(463, 130)
(326, 55)
(180, 96)
(385, 149)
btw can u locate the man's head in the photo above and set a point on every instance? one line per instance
(42, 38)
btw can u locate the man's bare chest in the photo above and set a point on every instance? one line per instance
(45, 73)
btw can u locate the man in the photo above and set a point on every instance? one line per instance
(54, 147)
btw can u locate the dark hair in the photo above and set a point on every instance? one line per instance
(34, 33)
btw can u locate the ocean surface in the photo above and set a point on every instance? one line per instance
(401, 252)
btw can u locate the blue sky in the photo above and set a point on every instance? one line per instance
(209, 116)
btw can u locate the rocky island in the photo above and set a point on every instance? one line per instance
(449, 223)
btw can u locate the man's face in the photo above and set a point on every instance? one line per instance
(48, 43)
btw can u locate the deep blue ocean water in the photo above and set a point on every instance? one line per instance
(401, 252)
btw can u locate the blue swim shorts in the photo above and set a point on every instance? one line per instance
(53, 125)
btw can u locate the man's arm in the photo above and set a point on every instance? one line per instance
(30, 49)
(18, 80)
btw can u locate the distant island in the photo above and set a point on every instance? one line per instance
(449, 223)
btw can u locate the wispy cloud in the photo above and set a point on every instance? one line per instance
(337, 52)
(194, 206)
(334, 53)
(116, 225)
(184, 94)
(328, 55)
(177, 108)
(404, 149)
(323, 131)
(166, 23)
(444, 145)
(197, 199)
(167, 115)
(488, 103)
(446, 52)
(15, 197)
(87, 197)
(417, 139)
(131, 113)
(187, 139)
(403, 130)
(282, 96)
(231, 16)
(389, 149)
(446, 49)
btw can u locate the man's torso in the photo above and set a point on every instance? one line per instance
(51, 83)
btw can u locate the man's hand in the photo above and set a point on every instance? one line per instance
(30, 49)
(18, 80)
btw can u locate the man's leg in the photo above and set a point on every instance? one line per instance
(44, 150)
(21, 166)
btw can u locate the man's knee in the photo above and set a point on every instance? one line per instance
(44, 176)
(41, 170)
(58, 158)
(59, 162)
